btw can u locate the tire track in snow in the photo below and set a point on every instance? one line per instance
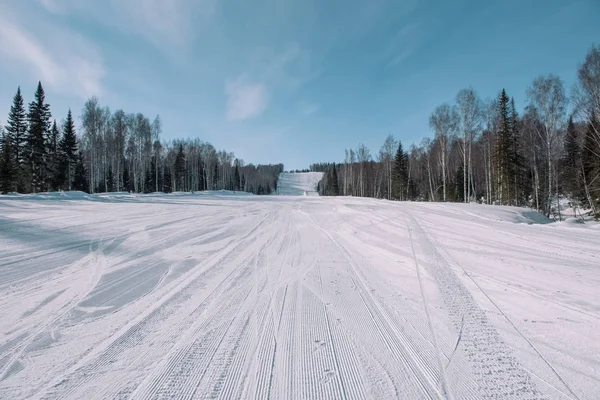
(572, 395)
(496, 370)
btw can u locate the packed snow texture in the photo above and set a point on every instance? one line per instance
(236, 296)
(299, 184)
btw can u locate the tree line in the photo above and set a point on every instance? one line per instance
(115, 151)
(486, 151)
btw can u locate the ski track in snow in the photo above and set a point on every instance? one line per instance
(223, 296)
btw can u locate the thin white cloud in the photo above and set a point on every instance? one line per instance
(58, 58)
(308, 109)
(403, 44)
(245, 100)
(266, 73)
(162, 22)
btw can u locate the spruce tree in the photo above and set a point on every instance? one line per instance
(16, 128)
(571, 162)
(39, 127)
(68, 150)
(7, 164)
(517, 157)
(504, 154)
(215, 176)
(180, 169)
(236, 177)
(400, 174)
(110, 180)
(127, 184)
(55, 173)
(335, 187)
(80, 181)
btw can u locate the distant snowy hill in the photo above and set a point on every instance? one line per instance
(299, 184)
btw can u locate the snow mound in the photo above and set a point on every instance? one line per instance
(474, 212)
(117, 196)
(298, 184)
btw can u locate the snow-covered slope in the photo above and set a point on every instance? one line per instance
(299, 184)
(237, 296)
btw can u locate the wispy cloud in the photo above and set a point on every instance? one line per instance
(245, 99)
(58, 57)
(403, 44)
(308, 109)
(266, 73)
(161, 22)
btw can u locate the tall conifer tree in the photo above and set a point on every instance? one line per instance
(7, 163)
(16, 127)
(68, 150)
(39, 127)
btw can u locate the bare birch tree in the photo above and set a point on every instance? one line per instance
(444, 122)
(547, 96)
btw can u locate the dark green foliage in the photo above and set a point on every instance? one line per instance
(55, 172)
(335, 187)
(80, 181)
(7, 164)
(215, 182)
(167, 183)
(400, 174)
(16, 127)
(236, 177)
(110, 180)
(330, 182)
(571, 164)
(505, 153)
(517, 157)
(39, 127)
(458, 186)
(180, 172)
(68, 152)
(127, 183)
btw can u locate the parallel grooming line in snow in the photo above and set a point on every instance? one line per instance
(293, 297)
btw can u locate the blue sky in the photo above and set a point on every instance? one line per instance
(292, 81)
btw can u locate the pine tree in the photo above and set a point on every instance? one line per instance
(236, 177)
(504, 154)
(55, 172)
(7, 164)
(180, 169)
(127, 184)
(148, 181)
(16, 128)
(80, 181)
(68, 150)
(334, 184)
(517, 157)
(110, 180)
(39, 126)
(400, 174)
(215, 177)
(167, 185)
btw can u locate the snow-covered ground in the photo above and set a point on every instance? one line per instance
(299, 184)
(236, 296)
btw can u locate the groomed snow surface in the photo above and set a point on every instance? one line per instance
(236, 296)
